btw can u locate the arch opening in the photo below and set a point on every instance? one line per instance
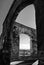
(27, 16)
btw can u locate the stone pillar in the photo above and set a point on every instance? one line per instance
(39, 7)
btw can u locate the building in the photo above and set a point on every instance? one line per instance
(17, 30)
(13, 12)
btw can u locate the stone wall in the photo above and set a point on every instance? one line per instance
(18, 29)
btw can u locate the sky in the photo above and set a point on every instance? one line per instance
(26, 16)
(24, 42)
(4, 8)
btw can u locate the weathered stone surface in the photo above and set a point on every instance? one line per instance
(39, 8)
(18, 29)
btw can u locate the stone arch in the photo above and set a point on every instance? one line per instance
(39, 18)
